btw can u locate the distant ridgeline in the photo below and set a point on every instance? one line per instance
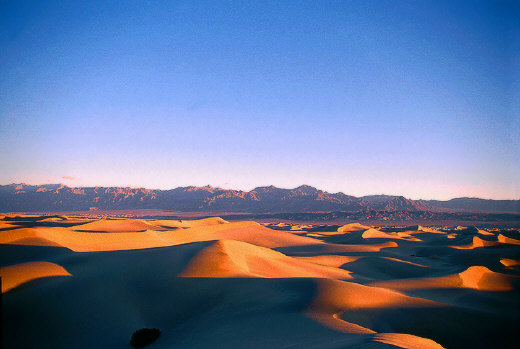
(58, 197)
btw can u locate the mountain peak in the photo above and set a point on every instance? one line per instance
(305, 186)
(307, 189)
(266, 189)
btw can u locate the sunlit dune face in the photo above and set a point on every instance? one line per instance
(16, 275)
(481, 278)
(112, 235)
(377, 234)
(352, 227)
(479, 242)
(34, 241)
(253, 233)
(227, 258)
(8, 225)
(507, 240)
(475, 277)
(38, 236)
(508, 262)
(335, 297)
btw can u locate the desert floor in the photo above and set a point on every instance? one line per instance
(87, 282)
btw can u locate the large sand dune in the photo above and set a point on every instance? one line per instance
(72, 282)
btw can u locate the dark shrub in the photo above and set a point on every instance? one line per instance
(141, 338)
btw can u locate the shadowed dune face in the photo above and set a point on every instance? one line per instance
(213, 283)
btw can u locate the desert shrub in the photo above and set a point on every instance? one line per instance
(141, 338)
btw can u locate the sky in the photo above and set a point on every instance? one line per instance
(415, 98)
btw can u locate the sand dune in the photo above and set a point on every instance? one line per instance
(508, 262)
(507, 240)
(113, 225)
(213, 283)
(476, 277)
(229, 258)
(116, 239)
(188, 223)
(335, 297)
(16, 275)
(352, 227)
(478, 242)
(377, 234)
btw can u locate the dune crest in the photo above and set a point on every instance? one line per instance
(229, 258)
(347, 228)
(406, 341)
(378, 234)
(476, 243)
(483, 279)
(115, 225)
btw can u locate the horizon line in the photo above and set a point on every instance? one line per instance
(247, 191)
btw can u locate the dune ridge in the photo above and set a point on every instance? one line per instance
(406, 341)
(112, 239)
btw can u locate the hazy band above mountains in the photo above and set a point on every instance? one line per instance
(55, 197)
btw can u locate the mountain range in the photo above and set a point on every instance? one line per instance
(58, 197)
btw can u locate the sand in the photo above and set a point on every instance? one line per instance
(16, 275)
(91, 282)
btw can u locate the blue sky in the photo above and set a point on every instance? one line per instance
(419, 98)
